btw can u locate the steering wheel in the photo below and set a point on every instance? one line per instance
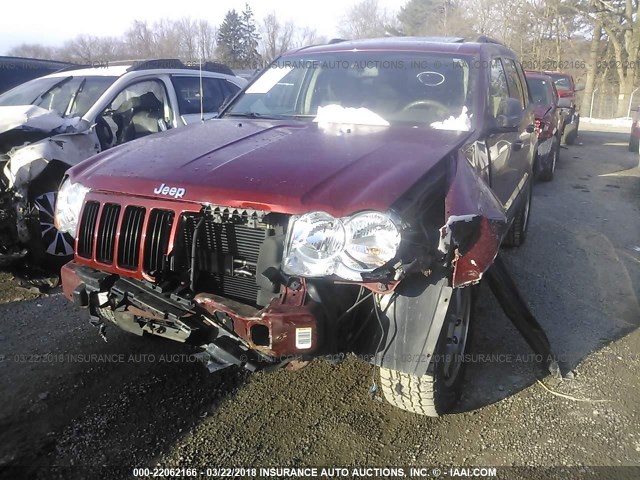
(437, 106)
(104, 132)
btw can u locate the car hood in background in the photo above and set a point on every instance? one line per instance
(33, 117)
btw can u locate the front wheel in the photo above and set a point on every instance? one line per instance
(437, 391)
(54, 248)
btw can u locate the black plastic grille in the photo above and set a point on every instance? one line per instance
(157, 240)
(130, 237)
(220, 249)
(87, 228)
(107, 233)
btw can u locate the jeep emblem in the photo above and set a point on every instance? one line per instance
(174, 192)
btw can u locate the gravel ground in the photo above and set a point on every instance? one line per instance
(141, 402)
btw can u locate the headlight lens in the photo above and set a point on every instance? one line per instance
(68, 206)
(373, 240)
(321, 245)
(315, 240)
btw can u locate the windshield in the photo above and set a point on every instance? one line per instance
(68, 96)
(539, 91)
(374, 88)
(562, 82)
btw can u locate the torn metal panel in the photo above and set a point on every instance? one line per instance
(476, 223)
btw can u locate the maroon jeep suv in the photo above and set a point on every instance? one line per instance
(346, 200)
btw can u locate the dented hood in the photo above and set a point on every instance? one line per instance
(290, 167)
(32, 117)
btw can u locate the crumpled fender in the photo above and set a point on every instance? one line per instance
(27, 162)
(476, 224)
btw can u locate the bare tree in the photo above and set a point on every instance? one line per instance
(206, 39)
(621, 22)
(307, 36)
(366, 19)
(140, 40)
(277, 38)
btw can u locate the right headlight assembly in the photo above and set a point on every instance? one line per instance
(321, 245)
(68, 206)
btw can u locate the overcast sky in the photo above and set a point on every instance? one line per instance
(51, 23)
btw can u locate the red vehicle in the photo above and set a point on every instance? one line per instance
(346, 200)
(549, 123)
(567, 89)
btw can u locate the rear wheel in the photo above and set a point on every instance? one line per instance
(546, 175)
(571, 133)
(437, 391)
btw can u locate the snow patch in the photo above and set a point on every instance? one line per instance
(462, 123)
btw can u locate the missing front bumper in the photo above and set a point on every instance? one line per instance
(231, 332)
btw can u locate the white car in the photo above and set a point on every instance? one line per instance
(54, 122)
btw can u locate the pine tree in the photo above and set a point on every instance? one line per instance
(231, 41)
(250, 37)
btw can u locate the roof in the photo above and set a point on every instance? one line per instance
(110, 71)
(417, 44)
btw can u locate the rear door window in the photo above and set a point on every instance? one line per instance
(188, 93)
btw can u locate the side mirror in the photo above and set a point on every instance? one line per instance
(579, 87)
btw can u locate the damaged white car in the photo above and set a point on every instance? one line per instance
(49, 124)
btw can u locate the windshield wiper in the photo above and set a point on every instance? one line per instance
(251, 115)
(74, 97)
(46, 92)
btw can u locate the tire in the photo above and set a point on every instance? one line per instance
(53, 249)
(571, 133)
(546, 174)
(437, 391)
(633, 144)
(517, 234)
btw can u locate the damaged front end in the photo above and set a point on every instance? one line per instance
(36, 147)
(223, 278)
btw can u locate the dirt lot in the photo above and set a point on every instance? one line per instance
(145, 402)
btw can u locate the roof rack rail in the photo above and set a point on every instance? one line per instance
(214, 67)
(485, 39)
(337, 40)
(175, 63)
